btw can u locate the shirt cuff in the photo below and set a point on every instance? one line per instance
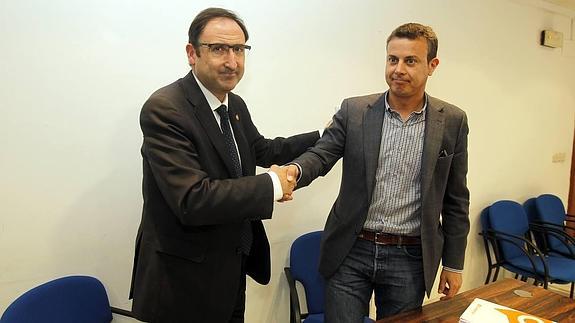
(459, 271)
(278, 192)
(299, 171)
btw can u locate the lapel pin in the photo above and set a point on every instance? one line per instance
(237, 117)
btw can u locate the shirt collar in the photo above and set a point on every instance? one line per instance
(210, 97)
(390, 109)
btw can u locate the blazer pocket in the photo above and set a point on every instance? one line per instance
(189, 249)
(444, 157)
(443, 165)
(447, 158)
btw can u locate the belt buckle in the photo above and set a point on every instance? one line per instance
(376, 238)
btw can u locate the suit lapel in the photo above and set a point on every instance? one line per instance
(205, 115)
(432, 142)
(372, 123)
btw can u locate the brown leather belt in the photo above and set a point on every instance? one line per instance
(389, 239)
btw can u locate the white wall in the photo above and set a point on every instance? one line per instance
(73, 76)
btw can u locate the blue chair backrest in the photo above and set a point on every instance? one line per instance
(533, 215)
(484, 219)
(508, 217)
(70, 299)
(304, 260)
(550, 209)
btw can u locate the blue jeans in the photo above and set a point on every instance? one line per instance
(394, 273)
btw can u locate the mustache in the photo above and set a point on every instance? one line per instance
(228, 70)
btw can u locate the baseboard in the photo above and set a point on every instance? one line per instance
(560, 289)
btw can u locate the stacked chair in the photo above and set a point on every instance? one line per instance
(529, 240)
(551, 214)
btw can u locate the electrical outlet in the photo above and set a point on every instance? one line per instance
(558, 157)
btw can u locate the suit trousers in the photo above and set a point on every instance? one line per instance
(240, 307)
(393, 272)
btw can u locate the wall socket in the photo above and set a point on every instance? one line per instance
(558, 157)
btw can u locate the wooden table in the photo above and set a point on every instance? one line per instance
(544, 303)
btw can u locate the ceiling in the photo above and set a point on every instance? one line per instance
(569, 4)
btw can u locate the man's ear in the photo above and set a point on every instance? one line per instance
(192, 54)
(432, 65)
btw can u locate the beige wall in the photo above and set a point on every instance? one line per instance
(74, 77)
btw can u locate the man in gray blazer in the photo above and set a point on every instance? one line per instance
(403, 204)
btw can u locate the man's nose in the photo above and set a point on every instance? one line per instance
(231, 59)
(400, 68)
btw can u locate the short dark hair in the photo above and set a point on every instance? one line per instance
(204, 17)
(413, 31)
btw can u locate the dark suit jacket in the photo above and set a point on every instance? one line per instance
(355, 135)
(187, 264)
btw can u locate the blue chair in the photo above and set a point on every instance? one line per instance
(511, 233)
(70, 299)
(304, 260)
(550, 213)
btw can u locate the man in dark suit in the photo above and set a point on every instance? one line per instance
(201, 229)
(403, 204)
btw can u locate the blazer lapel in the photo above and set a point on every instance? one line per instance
(205, 115)
(432, 143)
(372, 123)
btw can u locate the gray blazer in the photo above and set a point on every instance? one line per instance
(355, 135)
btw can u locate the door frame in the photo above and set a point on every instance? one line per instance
(571, 201)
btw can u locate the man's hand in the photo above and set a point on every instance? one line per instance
(292, 173)
(449, 283)
(287, 175)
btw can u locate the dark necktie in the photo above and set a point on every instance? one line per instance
(246, 230)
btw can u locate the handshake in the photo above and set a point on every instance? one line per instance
(288, 175)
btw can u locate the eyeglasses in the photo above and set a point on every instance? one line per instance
(222, 49)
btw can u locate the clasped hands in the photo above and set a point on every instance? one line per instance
(288, 177)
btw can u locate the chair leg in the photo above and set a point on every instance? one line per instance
(571, 294)
(538, 283)
(488, 276)
(496, 274)
(516, 275)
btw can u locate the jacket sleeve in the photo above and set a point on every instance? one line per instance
(279, 150)
(194, 197)
(320, 159)
(455, 210)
